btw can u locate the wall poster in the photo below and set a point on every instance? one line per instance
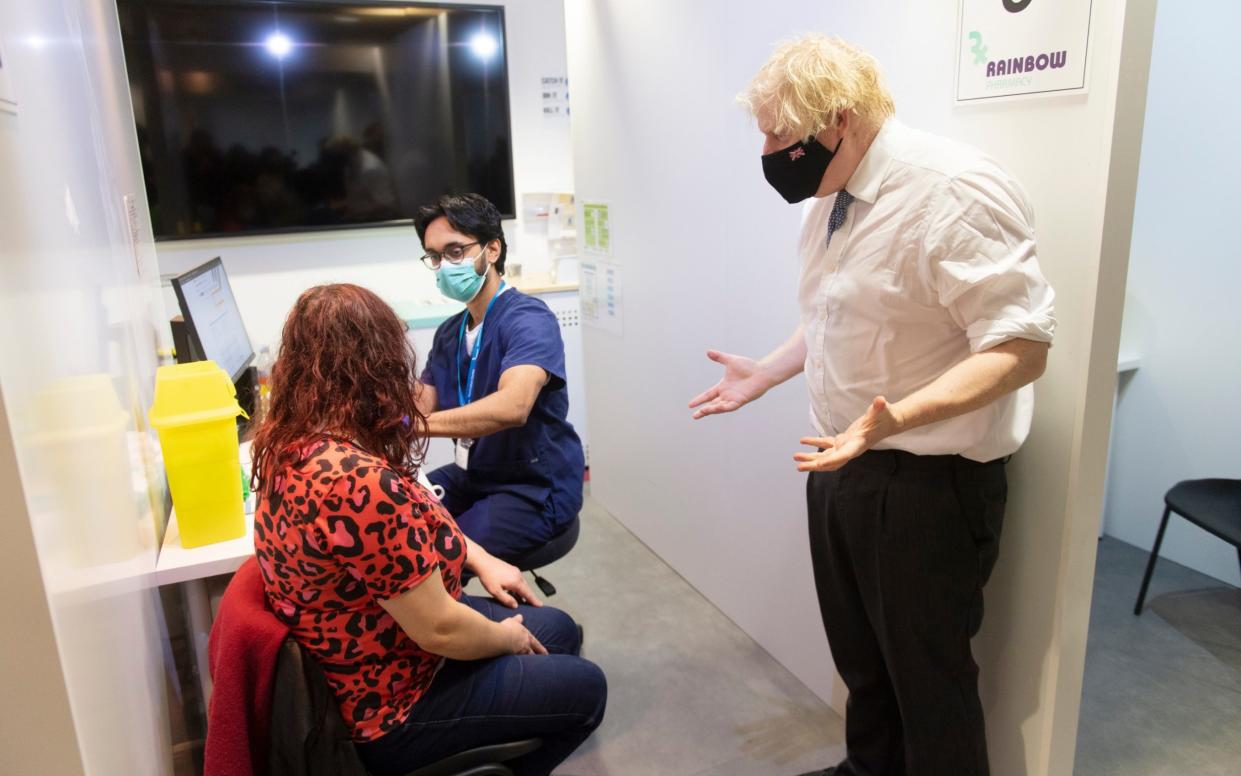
(596, 229)
(602, 305)
(1007, 48)
(554, 90)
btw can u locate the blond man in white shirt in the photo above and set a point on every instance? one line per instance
(924, 319)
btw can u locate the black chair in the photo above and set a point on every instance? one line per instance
(309, 737)
(483, 761)
(556, 548)
(1212, 505)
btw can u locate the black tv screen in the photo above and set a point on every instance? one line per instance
(260, 116)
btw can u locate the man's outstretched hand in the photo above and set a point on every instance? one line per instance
(743, 382)
(878, 422)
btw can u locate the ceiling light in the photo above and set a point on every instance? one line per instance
(278, 45)
(484, 45)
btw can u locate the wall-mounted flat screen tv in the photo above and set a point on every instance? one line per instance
(256, 116)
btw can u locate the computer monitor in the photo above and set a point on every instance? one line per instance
(212, 319)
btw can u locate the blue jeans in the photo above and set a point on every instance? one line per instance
(558, 698)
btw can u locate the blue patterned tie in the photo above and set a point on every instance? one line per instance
(839, 211)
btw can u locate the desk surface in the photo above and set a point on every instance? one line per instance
(425, 315)
(178, 564)
(541, 283)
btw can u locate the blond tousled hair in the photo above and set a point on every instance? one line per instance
(809, 82)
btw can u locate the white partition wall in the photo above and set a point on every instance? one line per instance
(1181, 307)
(706, 254)
(708, 260)
(81, 669)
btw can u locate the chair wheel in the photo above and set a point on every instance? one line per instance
(548, 588)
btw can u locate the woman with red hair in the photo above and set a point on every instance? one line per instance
(365, 566)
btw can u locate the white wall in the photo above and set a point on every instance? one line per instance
(707, 251)
(1176, 418)
(77, 297)
(709, 260)
(268, 273)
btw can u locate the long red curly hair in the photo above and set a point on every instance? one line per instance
(345, 368)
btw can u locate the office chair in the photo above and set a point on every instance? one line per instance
(1213, 505)
(309, 737)
(556, 548)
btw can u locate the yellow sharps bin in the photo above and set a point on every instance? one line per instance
(195, 412)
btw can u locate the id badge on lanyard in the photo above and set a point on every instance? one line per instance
(461, 450)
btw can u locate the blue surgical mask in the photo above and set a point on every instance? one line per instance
(460, 281)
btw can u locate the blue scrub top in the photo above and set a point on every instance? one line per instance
(541, 461)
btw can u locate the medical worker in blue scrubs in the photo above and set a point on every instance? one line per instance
(495, 383)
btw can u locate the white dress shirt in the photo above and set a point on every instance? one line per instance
(936, 259)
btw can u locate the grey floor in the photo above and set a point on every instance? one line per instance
(1162, 691)
(691, 694)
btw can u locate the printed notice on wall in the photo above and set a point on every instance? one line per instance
(1007, 48)
(142, 259)
(602, 305)
(555, 91)
(8, 100)
(596, 229)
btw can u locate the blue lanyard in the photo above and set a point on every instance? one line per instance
(464, 397)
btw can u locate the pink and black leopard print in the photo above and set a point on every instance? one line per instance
(341, 532)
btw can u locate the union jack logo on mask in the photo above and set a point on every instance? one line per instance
(796, 154)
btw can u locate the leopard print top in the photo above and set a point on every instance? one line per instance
(342, 532)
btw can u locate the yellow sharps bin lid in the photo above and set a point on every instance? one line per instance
(198, 392)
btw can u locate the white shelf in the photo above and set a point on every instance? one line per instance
(542, 283)
(179, 564)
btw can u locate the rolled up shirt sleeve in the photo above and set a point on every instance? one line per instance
(982, 262)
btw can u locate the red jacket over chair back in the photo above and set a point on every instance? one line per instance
(245, 642)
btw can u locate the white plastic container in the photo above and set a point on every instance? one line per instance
(79, 428)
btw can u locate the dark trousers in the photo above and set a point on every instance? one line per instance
(504, 524)
(558, 698)
(902, 546)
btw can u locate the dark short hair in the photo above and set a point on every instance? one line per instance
(469, 214)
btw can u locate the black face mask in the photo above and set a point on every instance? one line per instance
(796, 172)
